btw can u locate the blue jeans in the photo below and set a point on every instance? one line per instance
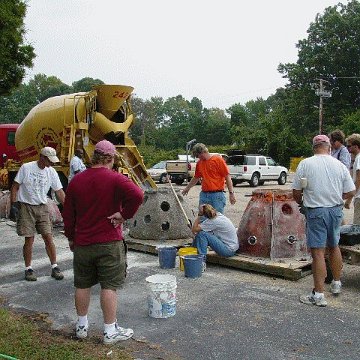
(216, 199)
(204, 239)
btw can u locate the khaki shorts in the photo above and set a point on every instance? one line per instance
(103, 263)
(32, 219)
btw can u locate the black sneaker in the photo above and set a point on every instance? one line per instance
(29, 275)
(57, 274)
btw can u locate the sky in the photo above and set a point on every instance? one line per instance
(222, 52)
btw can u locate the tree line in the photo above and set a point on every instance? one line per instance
(280, 126)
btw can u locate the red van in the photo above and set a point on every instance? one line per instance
(7, 142)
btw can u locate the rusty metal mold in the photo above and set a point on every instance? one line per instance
(272, 226)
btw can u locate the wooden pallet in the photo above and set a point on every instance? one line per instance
(287, 268)
(150, 246)
(351, 254)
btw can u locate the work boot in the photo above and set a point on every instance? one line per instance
(56, 273)
(29, 275)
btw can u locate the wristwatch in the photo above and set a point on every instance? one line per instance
(231, 192)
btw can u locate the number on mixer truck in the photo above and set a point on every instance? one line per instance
(121, 95)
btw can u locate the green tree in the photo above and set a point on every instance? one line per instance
(15, 55)
(85, 84)
(149, 117)
(16, 106)
(330, 52)
(42, 87)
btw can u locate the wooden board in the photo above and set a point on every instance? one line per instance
(351, 254)
(290, 269)
(287, 268)
(150, 246)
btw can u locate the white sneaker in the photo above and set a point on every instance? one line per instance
(81, 331)
(312, 300)
(335, 288)
(120, 334)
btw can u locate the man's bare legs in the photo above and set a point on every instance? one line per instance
(108, 301)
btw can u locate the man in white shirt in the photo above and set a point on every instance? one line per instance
(353, 145)
(29, 206)
(321, 184)
(76, 163)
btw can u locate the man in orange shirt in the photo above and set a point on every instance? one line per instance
(213, 172)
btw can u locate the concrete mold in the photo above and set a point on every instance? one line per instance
(160, 217)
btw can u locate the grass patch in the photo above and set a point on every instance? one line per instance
(28, 337)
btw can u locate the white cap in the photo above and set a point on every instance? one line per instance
(50, 153)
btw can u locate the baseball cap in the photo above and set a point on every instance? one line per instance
(105, 147)
(321, 139)
(50, 153)
(198, 149)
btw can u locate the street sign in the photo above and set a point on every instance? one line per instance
(324, 93)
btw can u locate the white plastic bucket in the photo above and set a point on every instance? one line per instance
(162, 295)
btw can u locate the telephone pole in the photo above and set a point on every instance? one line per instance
(322, 93)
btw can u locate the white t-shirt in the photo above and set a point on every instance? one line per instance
(356, 166)
(223, 228)
(35, 183)
(327, 179)
(76, 165)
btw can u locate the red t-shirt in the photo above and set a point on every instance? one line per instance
(212, 172)
(91, 197)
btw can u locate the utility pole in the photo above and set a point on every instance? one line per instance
(322, 93)
(321, 104)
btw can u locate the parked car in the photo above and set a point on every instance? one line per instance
(255, 169)
(158, 172)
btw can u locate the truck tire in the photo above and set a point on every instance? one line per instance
(179, 181)
(282, 179)
(162, 179)
(234, 182)
(255, 179)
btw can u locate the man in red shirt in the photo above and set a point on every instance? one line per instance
(98, 201)
(213, 172)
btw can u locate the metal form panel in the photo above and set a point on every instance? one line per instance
(272, 226)
(288, 231)
(254, 232)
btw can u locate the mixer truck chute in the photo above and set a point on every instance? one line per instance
(79, 121)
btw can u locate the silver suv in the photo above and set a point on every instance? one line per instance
(255, 169)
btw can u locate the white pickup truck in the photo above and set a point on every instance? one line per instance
(255, 169)
(179, 169)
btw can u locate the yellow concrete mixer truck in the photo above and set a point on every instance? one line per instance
(79, 121)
